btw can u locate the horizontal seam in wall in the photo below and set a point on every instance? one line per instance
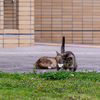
(66, 30)
(16, 34)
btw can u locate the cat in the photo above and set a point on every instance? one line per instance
(47, 62)
(63, 61)
(68, 59)
(53, 62)
(50, 62)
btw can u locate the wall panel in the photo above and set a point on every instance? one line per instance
(77, 20)
(16, 23)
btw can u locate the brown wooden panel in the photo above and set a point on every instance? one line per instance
(56, 40)
(10, 41)
(38, 39)
(67, 4)
(10, 45)
(67, 1)
(67, 23)
(46, 39)
(46, 33)
(24, 4)
(77, 39)
(87, 26)
(96, 36)
(9, 37)
(87, 23)
(77, 36)
(76, 14)
(67, 28)
(56, 36)
(56, 0)
(46, 26)
(77, 26)
(87, 12)
(79, 42)
(87, 42)
(56, 4)
(56, 28)
(96, 14)
(73, 15)
(87, 33)
(98, 28)
(25, 0)
(77, 17)
(21, 45)
(67, 33)
(24, 41)
(86, 17)
(56, 7)
(37, 1)
(46, 36)
(46, 0)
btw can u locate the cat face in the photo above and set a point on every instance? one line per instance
(67, 59)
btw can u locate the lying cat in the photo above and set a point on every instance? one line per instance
(67, 59)
(47, 62)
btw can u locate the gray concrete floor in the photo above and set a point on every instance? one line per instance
(21, 59)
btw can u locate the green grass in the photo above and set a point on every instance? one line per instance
(61, 85)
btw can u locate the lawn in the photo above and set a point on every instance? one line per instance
(61, 85)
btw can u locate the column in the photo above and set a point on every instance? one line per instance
(56, 20)
(87, 21)
(67, 20)
(77, 21)
(46, 20)
(38, 19)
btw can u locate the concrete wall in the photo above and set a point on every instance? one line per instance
(16, 23)
(77, 20)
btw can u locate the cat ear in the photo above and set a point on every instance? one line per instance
(59, 53)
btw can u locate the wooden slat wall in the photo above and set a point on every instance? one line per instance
(77, 20)
(16, 23)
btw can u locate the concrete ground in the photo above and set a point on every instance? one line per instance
(21, 59)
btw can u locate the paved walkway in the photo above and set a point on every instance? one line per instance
(21, 59)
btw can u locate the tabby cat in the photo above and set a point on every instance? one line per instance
(47, 62)
(67, 59)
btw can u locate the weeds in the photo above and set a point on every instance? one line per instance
(60, 85)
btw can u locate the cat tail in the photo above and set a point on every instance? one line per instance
(63, 45)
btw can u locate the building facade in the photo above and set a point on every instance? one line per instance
(16, 23)
(49, 20)
(77, 20)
